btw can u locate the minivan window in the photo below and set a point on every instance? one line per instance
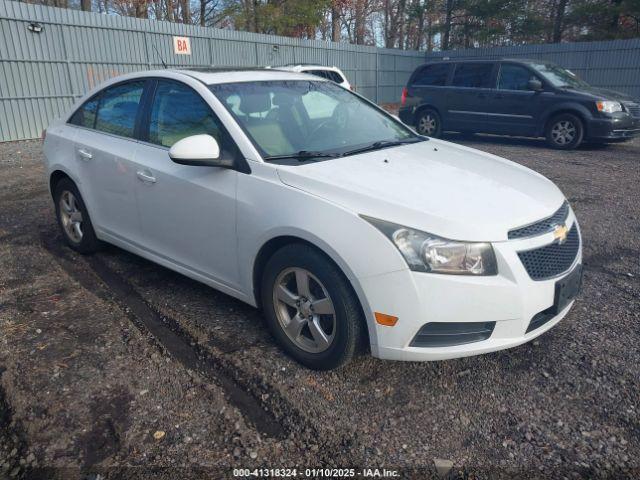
(118, 108)
(432, 75)
(85, 116)
(514, 77)
(558, 76)
(178, 112)
(473, 75)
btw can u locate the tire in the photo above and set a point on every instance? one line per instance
(564, 132)
(73, 218)
(334, 339)
(429, 123)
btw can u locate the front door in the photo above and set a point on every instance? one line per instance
(187, 213)
(515, 109)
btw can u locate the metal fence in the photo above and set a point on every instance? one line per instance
(611, 64)
(42, 73)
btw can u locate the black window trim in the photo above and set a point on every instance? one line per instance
(144, 119)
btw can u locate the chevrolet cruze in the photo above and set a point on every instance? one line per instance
(295, 195)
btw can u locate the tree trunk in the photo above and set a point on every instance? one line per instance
(447, 25)
(558, 21)
(170, 16)
(186, 11)
(360, 26)
(142, 9)
(85, 5)
(335, 21)
(203, 12)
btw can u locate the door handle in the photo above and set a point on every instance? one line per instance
(146, 177)
(86, 154)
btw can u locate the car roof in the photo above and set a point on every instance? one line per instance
(215, 75)
(486, 60)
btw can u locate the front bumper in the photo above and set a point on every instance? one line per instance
(618, 128)
(510, 299)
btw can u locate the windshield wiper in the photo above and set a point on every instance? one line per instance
(383, 144)
(302, 155)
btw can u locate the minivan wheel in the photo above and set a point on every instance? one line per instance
(565, 132)
(73, 218)
(429, 123)
(310, 307)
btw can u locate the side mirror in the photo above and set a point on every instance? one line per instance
(199, 150)
(535, 85)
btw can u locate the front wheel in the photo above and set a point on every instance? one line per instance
(565, 132)
(429, 123)
(310, 308)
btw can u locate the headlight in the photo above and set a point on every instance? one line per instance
(424, 252)
(608, 107)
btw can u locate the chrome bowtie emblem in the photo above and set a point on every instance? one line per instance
(560, 233)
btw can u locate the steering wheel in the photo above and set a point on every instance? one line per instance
(337, 121)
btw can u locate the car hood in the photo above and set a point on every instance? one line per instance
(445, 189)
(603, 93)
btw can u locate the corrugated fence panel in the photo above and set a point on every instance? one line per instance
(42, 74)
(607, 64)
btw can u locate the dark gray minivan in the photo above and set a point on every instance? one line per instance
(530, 98)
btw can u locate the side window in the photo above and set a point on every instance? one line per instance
(118, 108)
(317, 73)
(85, 116)
(432, 75)
(514, 77)
(474, 75)
(178, 112)
(334, 76)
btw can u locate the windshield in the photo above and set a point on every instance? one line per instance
(290, 117)
(558, 76)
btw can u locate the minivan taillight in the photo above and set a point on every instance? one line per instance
(403, 98)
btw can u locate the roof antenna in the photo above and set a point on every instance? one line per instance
(159, 56)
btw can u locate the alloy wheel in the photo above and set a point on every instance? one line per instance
(427, 124)
(304, 310)
(71, 216)
(563, 132)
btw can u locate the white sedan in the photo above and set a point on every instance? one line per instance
(295, 195)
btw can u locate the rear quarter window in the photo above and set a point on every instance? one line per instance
(85, 116)
(435, 75)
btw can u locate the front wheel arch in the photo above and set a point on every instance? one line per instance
(274, 244)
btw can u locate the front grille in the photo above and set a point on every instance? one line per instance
(448, 334)
(541, 226)
(553, 259)
(633, 108)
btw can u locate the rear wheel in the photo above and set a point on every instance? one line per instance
(429, 123)
(310, 308)
(73, 218)
(565, 132)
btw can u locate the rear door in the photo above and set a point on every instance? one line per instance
(514, 108)
(427, 86)
(187, 213)
(105, 149)
(467, 99)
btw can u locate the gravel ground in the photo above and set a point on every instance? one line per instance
(112, 365)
